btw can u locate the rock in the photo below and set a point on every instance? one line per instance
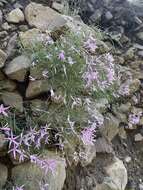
(3, 144)
(103, 146)
(58, 6)
(140, 35)
(6, 26)
(15, 16)
(7, 85)
(134, 86)
(2, 77)
(13, 99)
(3, 175)
(122, 133)
(118, 174)
(117, 177)
(35, 88)
(130, 54)
(125, 108)
(43, 18)
(96, 17)
(110, 127)
(138, 137)
(89, 153)
(141, 186)
(128, 159)
(1, 17)
(11, 45)
(108, 15)
(33, 36)
(140, 53)
(17, 68)
(3, 58)
(31, 174)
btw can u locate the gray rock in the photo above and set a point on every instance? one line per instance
(35, 88)
(3, 144)
(103, 146)
(117, 177)
(15, 16)
(140, 53)
(1, 17)
(13, 99)
(140, 36)
(108, 15)
(11, 45)
(6, 26)
(7, 85)
(43, 18)
(138, 137)
(32, 36)
(3, 175)
(3, 58)
(17, 68)
(31, 174)
(110, 127)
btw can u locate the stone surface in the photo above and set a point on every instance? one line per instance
(35, 88)
(32, 37)
(43, 17)
(138, 137)
(3, 57)
(103, 146)
(15, 16)
(3, 175)
(10, 50)
(117, 177)
(140, 36)
(3, 144)
(7, 85)
(31, 175)
(110, 127)
(17, 68)
(13, 99)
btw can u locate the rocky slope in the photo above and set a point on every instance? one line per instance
(114, 159)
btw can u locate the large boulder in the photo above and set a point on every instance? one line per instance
(43, 17)
(17, 68)
(31, 174)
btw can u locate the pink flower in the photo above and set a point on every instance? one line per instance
(134, 118)
(90, 44)
(62, 56)
(3, 110)
(88, 135)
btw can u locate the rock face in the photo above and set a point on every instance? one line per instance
(117, 177)
(31, 175)
(35, 88)
(15, 16)
(3, 143)
(32, 36)
(110, 128)
(43, 17)
(3, 57)
(17, 68)
(13, 99)
(3, 175)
